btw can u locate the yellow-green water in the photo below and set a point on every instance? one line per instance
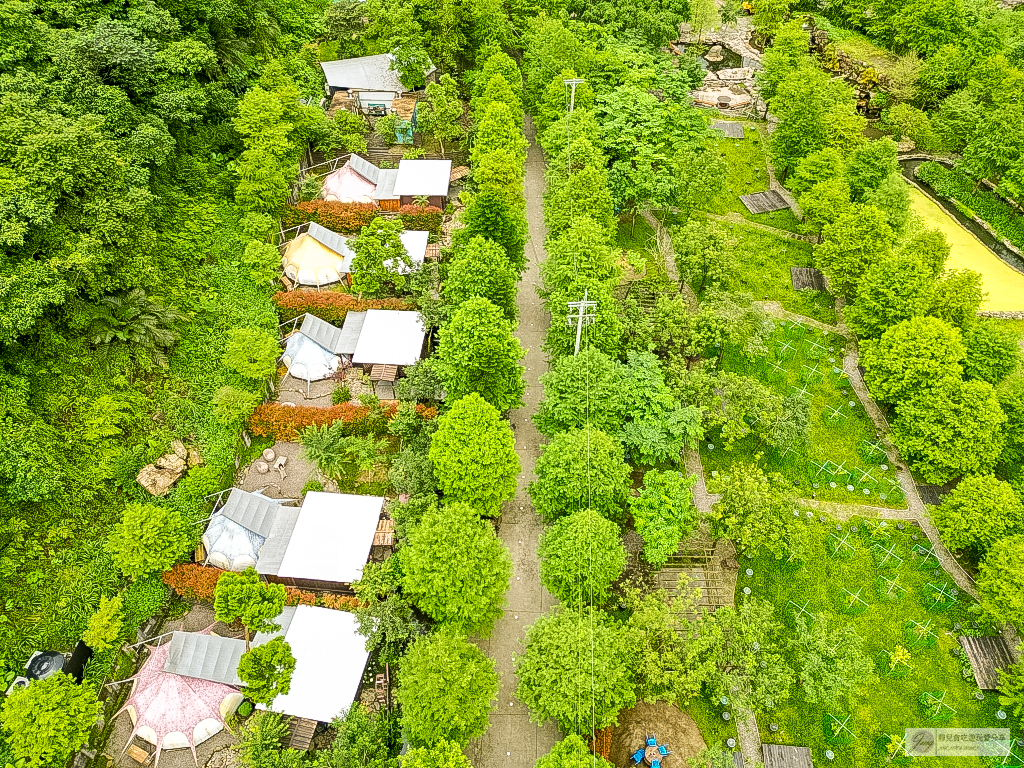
(1003, 284)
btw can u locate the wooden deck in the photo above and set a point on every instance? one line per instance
(300, 733)
(764, 202)
(730, 129)
(783, 756)
(807, 278)
(987, 654)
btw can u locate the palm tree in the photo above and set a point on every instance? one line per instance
(132, 318)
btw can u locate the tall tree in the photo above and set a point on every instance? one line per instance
(978, 512)
(755, 510)
(148, 539)
(664, 513)
(46, 721)
(266, 671)
(858, 237)
(243, 597)
(912, 356)
(999, 579)
(441, 115)
(478, 354)
(894, 288)
(950, 429)
(581, 557)
(703, 255)
(456, 569)
(480, 267)
(572, 657)
(381, 261)
(446, 688)
(580, 469)
(474, 457)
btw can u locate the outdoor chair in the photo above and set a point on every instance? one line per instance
(652, 741)
(637, 756)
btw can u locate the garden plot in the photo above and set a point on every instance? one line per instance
(747, 173)
(883, 580)
(763, 269)
(843, 460)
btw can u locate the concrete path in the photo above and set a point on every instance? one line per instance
(512, 741)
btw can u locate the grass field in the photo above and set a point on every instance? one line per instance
(887, 705)
(747, 173)
(763, 262)
(840, 431)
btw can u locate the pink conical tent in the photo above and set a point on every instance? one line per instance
(174, 711)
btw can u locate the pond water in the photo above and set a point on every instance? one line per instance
(730, 59)
(1004, 284)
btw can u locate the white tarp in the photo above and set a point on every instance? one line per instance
(390, 337)
(330, 657)
(423, 177)
(307, 360)
(332, 537)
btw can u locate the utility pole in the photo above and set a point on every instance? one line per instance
(584, 316)
(572, 84)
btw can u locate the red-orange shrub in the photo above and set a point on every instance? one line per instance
(427, 217)
(295, 596)
(339, 602)
(330, 305)
(340, 217)
(285, 422)
(193, 581)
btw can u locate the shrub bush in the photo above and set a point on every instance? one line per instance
(426, 217)
(195, 582)
(985, 204)
(330, 305)
(340, 217)
(284, 422)
(296, 596)
(340, 602)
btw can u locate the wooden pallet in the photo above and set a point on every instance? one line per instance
(300, 733)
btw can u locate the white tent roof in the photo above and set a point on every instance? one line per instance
(390, 337)
(365, 73)
(423, 177)
(330, 657)
(329, 541)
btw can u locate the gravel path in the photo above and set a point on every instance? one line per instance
(512, 741)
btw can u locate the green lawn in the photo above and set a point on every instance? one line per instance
(840, 431)
(747, 173)
(888, 704)
(763, 261)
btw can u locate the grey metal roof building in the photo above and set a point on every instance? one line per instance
(350, 332)
(323, 333)
(207, 657)
(274, 548)
(364, 168)
(251, 510)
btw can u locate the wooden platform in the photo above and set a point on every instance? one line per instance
(730, 129)
(807, 278)
(764, 202)
(300, 733)
(987, 654)
(782, 756)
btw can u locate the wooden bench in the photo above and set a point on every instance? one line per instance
(139, 755)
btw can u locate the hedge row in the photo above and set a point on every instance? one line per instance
(197, 582)
(340, 217)
(426, 217)
(285, 422)
(330, 305)
(983, 203)
(352, 217)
